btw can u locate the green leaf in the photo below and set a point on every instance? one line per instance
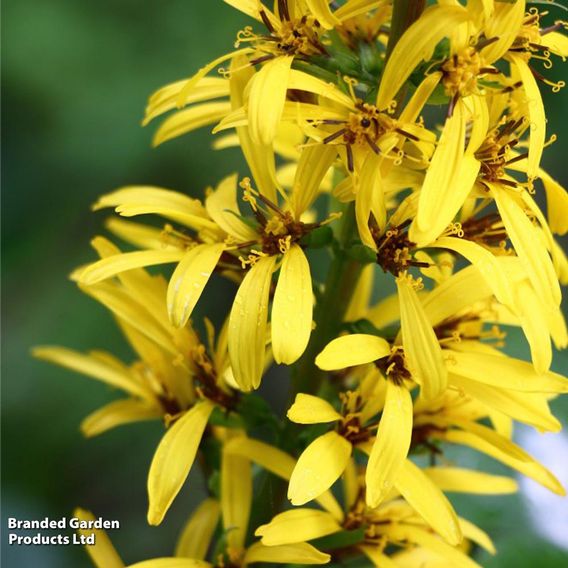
(363, 326)
(255, 412)
(362, 253)
(227, 420)
(341, 539)
(318, 238)
(214, 484)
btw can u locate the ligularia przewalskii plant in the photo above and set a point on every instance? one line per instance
(402, 137)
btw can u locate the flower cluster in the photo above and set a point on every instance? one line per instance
(400, 139)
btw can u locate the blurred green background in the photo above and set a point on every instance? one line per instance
(76, 76)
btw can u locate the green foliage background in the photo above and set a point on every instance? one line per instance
(76, 76)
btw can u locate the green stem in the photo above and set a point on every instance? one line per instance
(405, 13)
(329, 313)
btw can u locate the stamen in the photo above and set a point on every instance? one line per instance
(334, 136)
(349, 151)
(283, 9)
(267, 21)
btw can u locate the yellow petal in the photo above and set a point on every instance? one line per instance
(489, 435)
(370, 198)
(173, 459)
(391, 444)
(293, 111)
(247, 324)
(361, 298)
(505, 373)
(292, 308)
(297, 525)
(350, 350)
(417, 44)
(414, 107)
(351, 486)
(353, 8)
(236, 498)
(452, 556)
(118, 413)
(221, 205)
(537, 115)
(557, 204)
(309, 409)
(165, 99)
(305, 82)
(266, 99)
(475, 534)
(189, 119)
(139, 200)
(556, 42)
(102, 553)
(265, 455)
(480, 122)
(378, 558)
(385, 312)
(94, 367)
(199, 530)
(189, 280)
(448, 181)
(530, 408)
(320, 9)
(139, 235)
(113, 265)
(421, 348)
(452, 479)
(319, 466)
(530, 468)
(171, 563)
(121, 303)
(313, 164)
(251, 8)
(194, 81)
(529, 247)
(259, 157)
(300, 553)
(487, 264)
(462, 289)
(428, 501)
(504, 25)
(278, 462)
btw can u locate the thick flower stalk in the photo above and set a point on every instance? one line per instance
(402, 138)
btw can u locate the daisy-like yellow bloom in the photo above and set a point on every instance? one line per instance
(233, 510)
(272, 242)
(294, 32)
(368, 142)
(439, 348)
(418, 361)
(454, 418)
(176, 377)
(333, 105)
(474, 48)
(404, 520)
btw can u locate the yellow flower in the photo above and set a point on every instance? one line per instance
(424, 506)
(327, 104)
(175, 378)
(295, 31)
(393, 437)
(477, 39)
(454, 419)
(535, 43)
(441, 348)
(233, 508)
(272, 241)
